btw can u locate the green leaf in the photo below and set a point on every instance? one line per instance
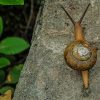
(14, 74)
(2, 76)
(4, 62)
(1, 25)
(13, 45)
(6, 88)
(12, 2)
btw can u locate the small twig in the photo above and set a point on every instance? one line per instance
(30, 17)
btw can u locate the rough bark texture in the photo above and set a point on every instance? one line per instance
(45, 75)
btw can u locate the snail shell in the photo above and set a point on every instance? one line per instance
(80, 55)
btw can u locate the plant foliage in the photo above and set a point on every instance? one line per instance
(13, 45)
(12, 2)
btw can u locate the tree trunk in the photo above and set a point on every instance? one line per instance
(45, 75)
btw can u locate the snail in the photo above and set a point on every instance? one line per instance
(79, 54)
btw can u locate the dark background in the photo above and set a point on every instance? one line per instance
(16, 20)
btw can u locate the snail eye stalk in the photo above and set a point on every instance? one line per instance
(68, 15)
(84, 13)
(71, 17)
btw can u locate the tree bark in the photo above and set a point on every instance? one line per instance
(45, 75)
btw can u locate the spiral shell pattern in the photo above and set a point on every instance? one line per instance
(80, 56)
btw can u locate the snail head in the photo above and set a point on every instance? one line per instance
(78, 31)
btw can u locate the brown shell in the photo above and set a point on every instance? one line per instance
(77, 64)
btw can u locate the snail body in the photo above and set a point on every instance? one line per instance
(79, 54)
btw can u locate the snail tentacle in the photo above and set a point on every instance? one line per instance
(84, 13)
(68, 15)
